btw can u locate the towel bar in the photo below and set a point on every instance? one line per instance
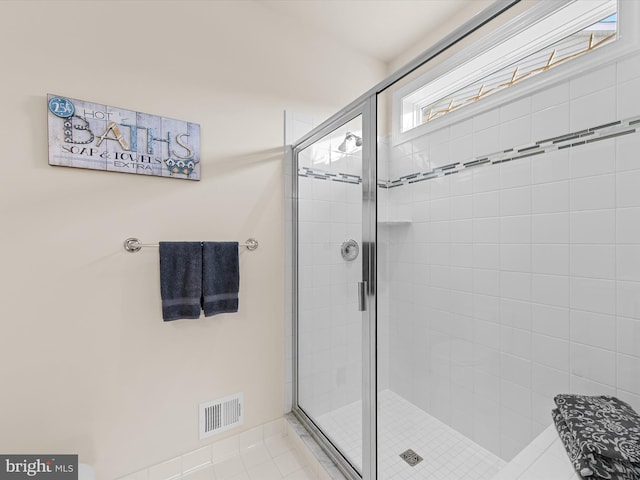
(133, 245)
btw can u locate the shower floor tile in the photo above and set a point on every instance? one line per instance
(446, 453)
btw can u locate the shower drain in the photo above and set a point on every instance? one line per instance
(411, 457)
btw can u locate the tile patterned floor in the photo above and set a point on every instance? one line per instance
(447, 454)
(278, 452)
(275, 458)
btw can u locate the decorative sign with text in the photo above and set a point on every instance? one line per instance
(89, 135)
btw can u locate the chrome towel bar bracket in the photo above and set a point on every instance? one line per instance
(133, 245)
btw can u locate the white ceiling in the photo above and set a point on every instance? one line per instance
(382, 29)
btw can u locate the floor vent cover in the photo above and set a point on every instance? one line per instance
(411, 457)
(221, 415)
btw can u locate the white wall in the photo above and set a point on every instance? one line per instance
(518, 281)
(87, 365)
(465, 12)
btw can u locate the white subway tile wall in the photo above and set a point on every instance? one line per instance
(520, 280)
(329, 324)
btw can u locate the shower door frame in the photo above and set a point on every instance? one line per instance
(366, 105)
(367, 110)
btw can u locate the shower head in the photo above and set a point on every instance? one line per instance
(350, 142)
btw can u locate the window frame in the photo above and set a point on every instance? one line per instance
(626, 43)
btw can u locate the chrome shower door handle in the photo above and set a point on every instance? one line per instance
(362, 296)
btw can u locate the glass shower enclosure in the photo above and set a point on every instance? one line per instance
(335, 276)
(442, 288)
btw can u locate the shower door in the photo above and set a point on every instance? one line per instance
(335, 310)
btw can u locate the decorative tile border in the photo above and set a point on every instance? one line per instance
(568, 140)
(573, 139)
(335, 177)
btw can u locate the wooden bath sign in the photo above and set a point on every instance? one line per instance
(89, 135)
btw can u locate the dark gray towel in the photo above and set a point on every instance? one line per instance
(601, 435)
(220, 277)
(180, 279)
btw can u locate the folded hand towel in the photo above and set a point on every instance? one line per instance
(221, 277)
(180, 279)
(579, 461)
(601, 435)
